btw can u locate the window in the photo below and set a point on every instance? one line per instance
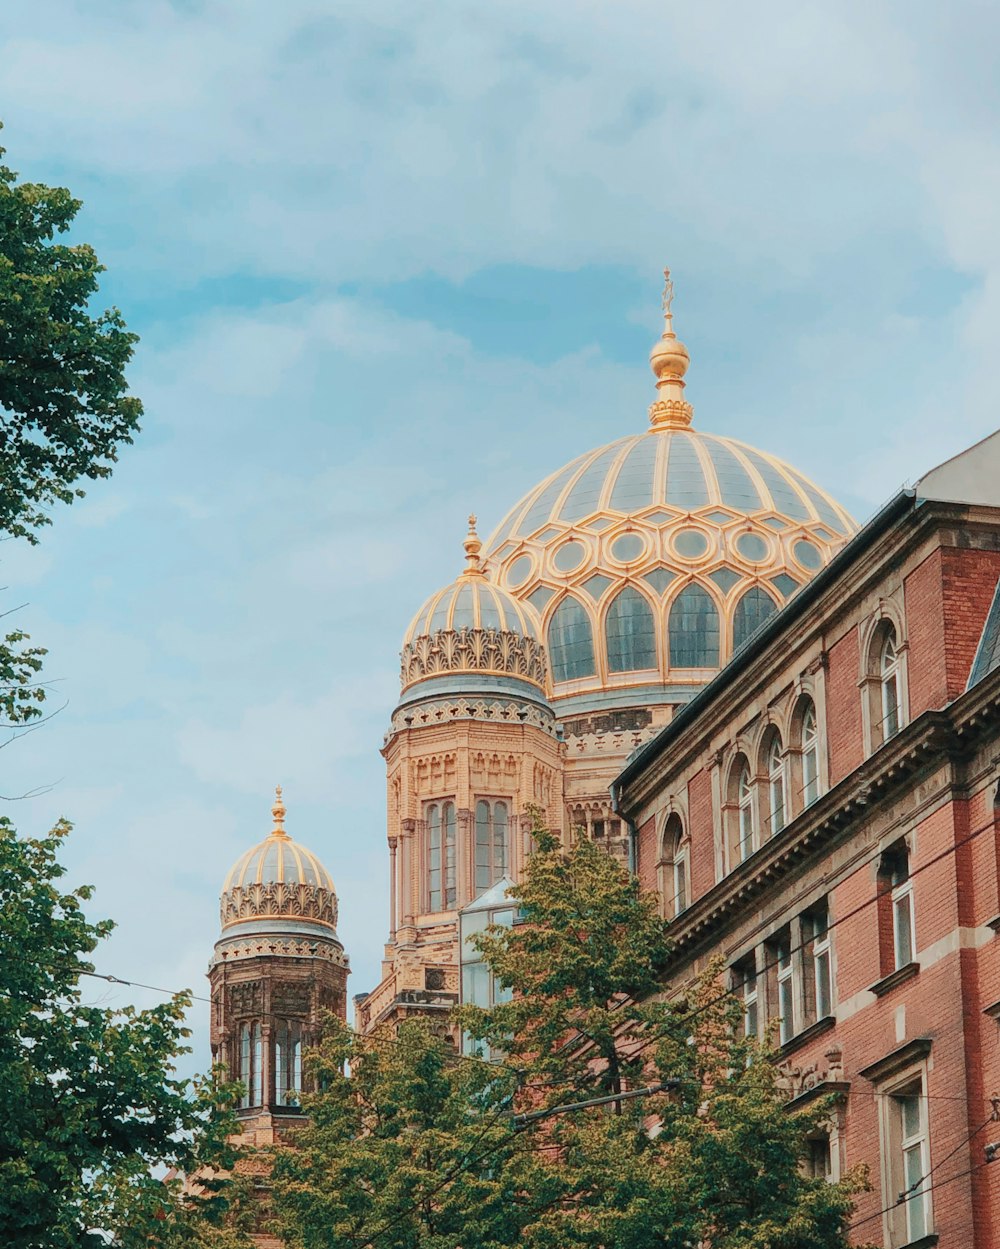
(810, 754)
(782, 984)
(745, 984)
(817, 960)
(775, 786)
(908, 1162)
(257, 1067)
(571, 642)
(492, 843)
(630, 633)
(896, 927)
(889, 682)
(751, 611)
(694, 630)
(440, 820)
(478, 985)
(747, 839)
(819, 1157)
(674, 859)
(243, 1065)
(287, 1062)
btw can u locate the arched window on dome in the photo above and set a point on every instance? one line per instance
(751, 611)
(630, 632)
(694, 630)
(439, 818)
(571, 642)
(492, 843)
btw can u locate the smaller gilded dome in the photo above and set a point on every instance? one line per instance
(280, 884)
(472, 636)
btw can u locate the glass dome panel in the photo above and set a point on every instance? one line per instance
(751, 611)
(694, 630)
(630, 632)
(571, 642)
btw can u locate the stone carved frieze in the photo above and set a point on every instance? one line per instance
(290, 999)
(473, 650)
(289, 899)
(246, 998)
(500, 710)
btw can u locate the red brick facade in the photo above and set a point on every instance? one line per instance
(896, 843)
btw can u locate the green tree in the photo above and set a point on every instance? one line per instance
(407, 1146)
(64, 410)
(93, 1110)
(714, 1161)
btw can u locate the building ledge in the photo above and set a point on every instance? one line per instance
(993, 1011)
(825, 1088)
(898, 1060)
(925, 1242)
(806, 1035)
(899, 976)
(994, 923)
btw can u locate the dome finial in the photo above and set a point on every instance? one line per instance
(473, 546)
(669, 361)
(278, 811)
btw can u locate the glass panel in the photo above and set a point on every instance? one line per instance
(890, 706)
(735, 484)
(913, 1170)
(680, 886)
(471, 924)
(476, 984)
(482, 846)
(571, 642)
(256, 1094)
(503, 918)
(500, 827)
(909, 1107)
(630, 632)
(824, 1004)
(751, 611)
(434, 858)
(694, 630)
(810, 775)
(633, 486)
(902, 925)
(686, 487)
(449, 854)
(244, 1066)
(785, 1007)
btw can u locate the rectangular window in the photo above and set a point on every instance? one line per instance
(909, 1166)
(786, 992)
(902, 923)
(817, 963)
(745, 984)
(680, 882)
(440, 821)
(819, 1160)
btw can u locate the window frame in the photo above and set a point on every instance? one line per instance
(441, 859)
(494, 869)
(809, 748)
(777, 784)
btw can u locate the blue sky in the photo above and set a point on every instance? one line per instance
(392, 263)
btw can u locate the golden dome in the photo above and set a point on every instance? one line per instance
(278, 880)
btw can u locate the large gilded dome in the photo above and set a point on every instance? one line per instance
(652, 559)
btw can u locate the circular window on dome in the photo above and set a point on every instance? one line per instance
(752, 547)
(628, 547)
(690, 543)
(569, 556)
(807, 554)
(519, 571)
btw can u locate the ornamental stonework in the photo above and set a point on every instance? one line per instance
(473, 650)
(294, 900)
(502, 710)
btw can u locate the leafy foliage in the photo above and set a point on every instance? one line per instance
(413, 1148)
(91, 1102)
(64, 410)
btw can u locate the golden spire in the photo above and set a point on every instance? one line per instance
(472, 546)
(669, 361)
(278, 811)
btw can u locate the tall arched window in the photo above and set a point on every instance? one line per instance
(257, 1067)
(674, 861)
(751, 611)
(571, 642)
(287, 1062)
(630, 632)
(889, 680)
(694, 630)
(775, 786)
(440, 819)
(243, 1066)
(744, 799)
(810, 754)
(492, 843)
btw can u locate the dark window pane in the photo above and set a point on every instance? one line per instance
(694, 630)
(751, 611)
(630, 632)
(571, 642)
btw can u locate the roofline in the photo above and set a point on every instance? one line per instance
(845, 557)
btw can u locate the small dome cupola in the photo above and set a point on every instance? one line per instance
(278, 889)
(473, 637)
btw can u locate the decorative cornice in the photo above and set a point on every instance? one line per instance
(671, 413)
(499, 710)
(236, 949)
(278, 900)
(494, 651)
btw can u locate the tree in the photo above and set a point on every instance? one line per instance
(64, 410)
(407, 1146)
(714, 1161)
(91, 1103)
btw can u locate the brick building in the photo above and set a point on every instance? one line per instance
(825, 816)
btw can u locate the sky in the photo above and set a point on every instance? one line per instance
(395, 262)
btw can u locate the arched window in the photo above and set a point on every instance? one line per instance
(775, 786)
(751, 611)
(888, 670)
(257, 1067)
(810, 754)
(740, 819)
(694, 630)
(571, 642)
(243, 1065)
(287, 1062)
(492, 843)
(897, 940)
(440, 819)
(674, 860)
(630, 632)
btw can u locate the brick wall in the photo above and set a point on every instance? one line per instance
(924, 630)
(844, 737)
(969, 579)
(702, 833)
